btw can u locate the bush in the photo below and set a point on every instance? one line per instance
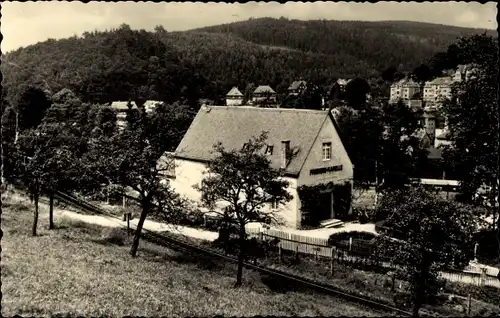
(364, 215)
(115, 236)
(344, 236)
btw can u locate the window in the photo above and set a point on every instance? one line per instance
(327, 150)
(269, 150)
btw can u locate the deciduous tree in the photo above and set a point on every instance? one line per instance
(431, 234)
(241, 183)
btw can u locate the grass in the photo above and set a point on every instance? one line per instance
(81, 269)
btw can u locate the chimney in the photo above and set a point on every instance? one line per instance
(285, 152)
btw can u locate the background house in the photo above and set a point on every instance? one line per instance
(319, 156)
(263, 93)
(297, 87)
(405, 90)
(121, 108)
(234, 97)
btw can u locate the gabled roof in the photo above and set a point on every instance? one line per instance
(435, 153)
(296, 84)
(408, 82)
(234, 92)
(122, 105)
(440, 81)
(234, 126)
(264, 89)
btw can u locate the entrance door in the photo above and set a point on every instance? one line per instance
(326, 206)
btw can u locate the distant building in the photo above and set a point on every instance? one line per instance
(442, 138)
(463, 72)
(263, 93)
(437, 90)
(297, 87)
(122, 108)
(150, 105)
(404, 90)
(234, 97)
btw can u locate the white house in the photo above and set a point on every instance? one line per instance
(405, 90)
(319, 154)
(234, 97)
(437, 90)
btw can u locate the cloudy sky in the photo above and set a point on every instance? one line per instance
(27, 23)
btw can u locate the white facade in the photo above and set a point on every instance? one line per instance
(438, 90)
(189, 173)
(404, 89)
(234, 100)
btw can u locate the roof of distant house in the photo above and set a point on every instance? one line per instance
(444, 135)
(435, 153)
(234, 92)
(123, 105)
(296, 84)
(234, 126)
(440, 81)
(264, 89)
(406, 82)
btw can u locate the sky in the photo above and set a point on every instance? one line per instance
(25, 23)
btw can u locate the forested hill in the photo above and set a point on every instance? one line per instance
(122, 63)
(402, 43)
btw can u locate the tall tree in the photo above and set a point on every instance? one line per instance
(242, 183)
(433, 234)
(401, 152)
(473, 122)
(356, 92)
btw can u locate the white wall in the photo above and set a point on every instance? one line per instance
(234, 101)
(188, 173)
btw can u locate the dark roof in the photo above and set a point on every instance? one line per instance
(435, 153)
(295, 85)
(233, 126)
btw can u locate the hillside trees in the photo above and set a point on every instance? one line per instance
(433, 234)
(242, 183)
(169, 66)
(472, 116)
(382, 144)
(401, 154)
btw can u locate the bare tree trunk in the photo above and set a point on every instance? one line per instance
(51, 211)
(137, 237)
(419, 294)
(241, 254)
(35, 215)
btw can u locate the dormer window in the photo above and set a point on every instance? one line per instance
(327, 151)
(269, 150)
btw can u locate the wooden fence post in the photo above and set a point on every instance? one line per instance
(316, 253)
(350, 243)
(468, 304)
(297, 252)
(280, 251)
(129, 215)
(261, 236)
(332, 255)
